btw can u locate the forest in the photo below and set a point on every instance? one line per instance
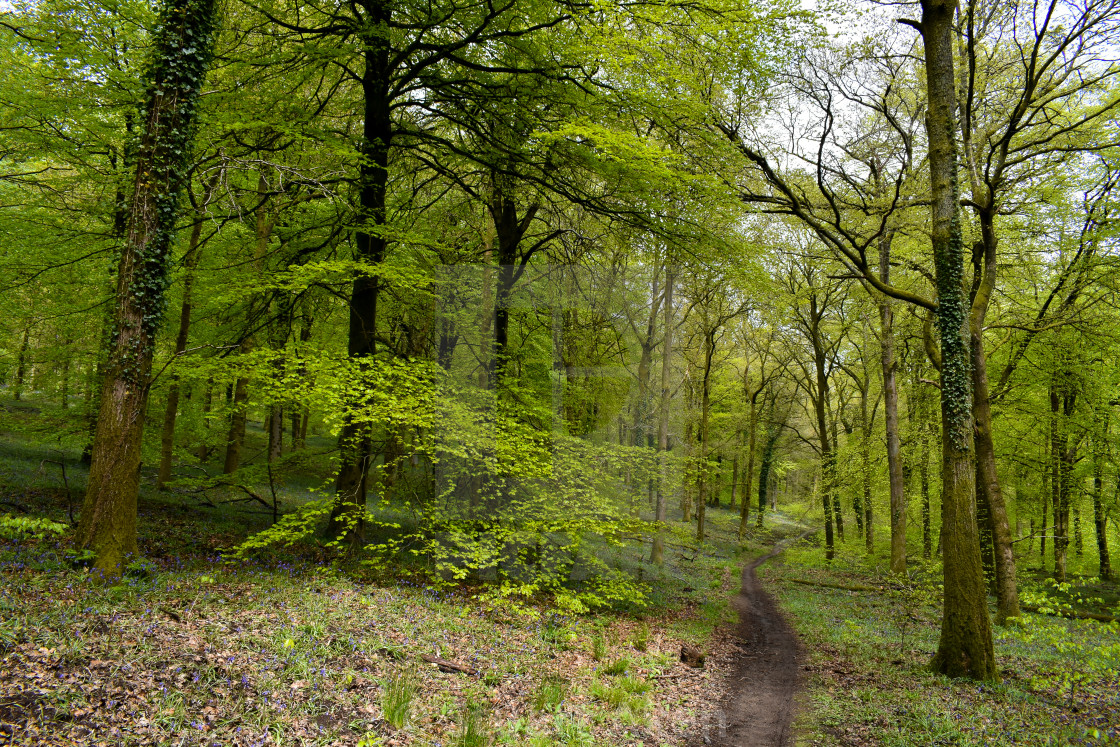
(575, 372)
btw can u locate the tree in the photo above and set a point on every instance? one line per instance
(965, 647)
(177, 65)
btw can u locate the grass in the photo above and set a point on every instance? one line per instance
(550, 693)
(639, 639)
(869, 681)
(397, 693)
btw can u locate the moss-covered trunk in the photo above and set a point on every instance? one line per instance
(175, 71)
(989, 493)
(965, 648)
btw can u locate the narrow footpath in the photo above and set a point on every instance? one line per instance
(758, 711)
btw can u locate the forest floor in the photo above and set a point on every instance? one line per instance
(868, 640)
(288, 651)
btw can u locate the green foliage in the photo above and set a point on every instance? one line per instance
(397, 694)
(1079, 651)
(572, 732)
(639, 639)
(473, 729)
(24, 527)
(617, 667)
(598, 646)
(550, 693)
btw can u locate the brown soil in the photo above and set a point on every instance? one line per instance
(758, 709)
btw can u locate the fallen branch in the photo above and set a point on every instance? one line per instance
(449, 666)
(842, 587)
(1077, 614)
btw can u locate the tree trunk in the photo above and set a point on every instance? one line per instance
(705, 412)
(347, 520)
(965, 648)
(923, 481)
(207, 403)
(275, 434)
(820, 408)
(179, 55)
(1047, 476)
(865, 474)
(1100, 523)
(890, 406)
(657, 553)
(734, 479)
(167, 437)
(21, 362)
(235, 437)
(765, 465)
(64, 394)
(989, 494)
(748, 475)
(690, 473)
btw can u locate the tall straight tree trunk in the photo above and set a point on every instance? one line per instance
(890, 407)
(275, 433)
(67, 343)
(167, 437)
(1100, 524)
(690, 473)
(734, 478)
(965, 648)
(865, 472)
(1100, 518)
(748, 476)
(989, 493)
(21, 362)
(239, 404)
(1048, 467)
(765, 465)
(175, 70)
(820, 408)
(657, 553)
(705, 413)
(347, 520)
(923, 482)
(207, 403)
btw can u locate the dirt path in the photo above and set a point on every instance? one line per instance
(759, 708)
